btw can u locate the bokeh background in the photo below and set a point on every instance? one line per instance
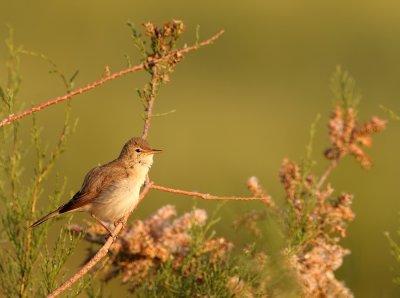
(242, 105)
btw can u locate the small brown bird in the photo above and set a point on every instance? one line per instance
(110, 191)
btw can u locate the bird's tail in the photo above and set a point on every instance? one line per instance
(43, 219)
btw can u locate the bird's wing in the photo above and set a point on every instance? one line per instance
(96, 181)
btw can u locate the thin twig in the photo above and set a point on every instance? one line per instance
(150, 104)
(13, 117)
(332, 165)
(205, 196)
(102, 251)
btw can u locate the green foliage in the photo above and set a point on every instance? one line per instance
(344, 89)
(248, 273)
(23, 248)
(395, 251)
(158, 54)
(53, 265)
(196, 276)
(300, 261)
(204, 279)
(93, 290)
(308, 162)
(138, 41)
(199, 274)
(391, 113)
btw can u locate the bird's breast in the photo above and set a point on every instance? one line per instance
(118, 199)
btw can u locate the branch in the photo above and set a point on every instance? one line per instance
(205, 196)
(102, 251)
(326, 174)
(13, 117)
(150, 104)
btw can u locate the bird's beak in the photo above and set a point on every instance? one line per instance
(152, 151)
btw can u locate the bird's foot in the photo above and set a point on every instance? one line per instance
(105, 227)
(121, 220)
(113, 233)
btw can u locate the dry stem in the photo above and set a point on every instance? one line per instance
(13, 117)
(149, 108)
(205, 196)
(104, 249)
(332, 165)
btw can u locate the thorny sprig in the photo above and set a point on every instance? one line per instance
(316, 260)
(314, 210)
(347, 138)
(163, 41)
(291, 178)
(315, 222)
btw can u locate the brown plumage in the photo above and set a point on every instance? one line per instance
(111, 190)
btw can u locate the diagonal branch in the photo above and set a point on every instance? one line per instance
(14, 117)
(102, 251)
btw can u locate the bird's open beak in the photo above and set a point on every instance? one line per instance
(152, 151)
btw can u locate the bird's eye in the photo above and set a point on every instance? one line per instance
(138, 150)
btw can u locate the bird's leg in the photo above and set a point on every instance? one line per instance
(102, 224)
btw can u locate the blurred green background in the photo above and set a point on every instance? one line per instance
(242, 105)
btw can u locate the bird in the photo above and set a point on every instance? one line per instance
(110, 191)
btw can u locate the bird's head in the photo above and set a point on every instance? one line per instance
(137, 150)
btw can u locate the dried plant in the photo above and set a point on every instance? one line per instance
(315, 218)
(166, 256)
(24, 247)
(346, 138)
(147, 245)
(311, 224)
